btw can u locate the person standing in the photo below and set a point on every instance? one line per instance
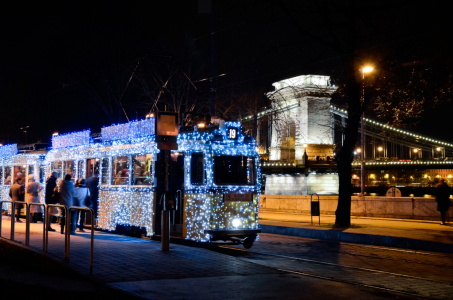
(66, 198)
(443, 192)
(17, 193)
(33, 189)
(82, 196)
(93, 186)
(51, 197)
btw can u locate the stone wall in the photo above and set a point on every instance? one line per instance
(381, 207)
(301, 184)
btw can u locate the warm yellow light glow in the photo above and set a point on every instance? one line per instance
(305, 145)
(151, 115)
(1, 144)
(426, 176)
(201, 125)
(367, 69)
(359, 150)
(379, 148)
(55, 134)
(372, 176)
(415, 150)
(386, 176)
(438, 148)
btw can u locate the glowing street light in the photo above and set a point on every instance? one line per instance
(364, 70)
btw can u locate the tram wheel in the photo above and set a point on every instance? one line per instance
(248, 242)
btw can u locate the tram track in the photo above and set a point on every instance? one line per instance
(379, 248)
(366, 277)
(337, 265)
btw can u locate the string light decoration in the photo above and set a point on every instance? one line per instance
(134, 129)
(26, 160)
(205, 208)
(8, 150)
(71, 139)
(117, 204)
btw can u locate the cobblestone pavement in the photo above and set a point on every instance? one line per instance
(427, 274)
(140, 267)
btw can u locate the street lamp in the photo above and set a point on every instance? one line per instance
(380, 150)
(362, 134)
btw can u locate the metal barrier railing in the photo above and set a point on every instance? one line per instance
(12, 217)
(27, 220)
(68, 232)
(47, 227)
(44, 224)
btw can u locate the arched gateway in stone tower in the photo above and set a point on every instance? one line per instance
(302, 135)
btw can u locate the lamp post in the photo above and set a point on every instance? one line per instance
(362, 134)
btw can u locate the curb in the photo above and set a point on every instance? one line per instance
(359, 238)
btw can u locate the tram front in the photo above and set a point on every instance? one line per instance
(221, 198)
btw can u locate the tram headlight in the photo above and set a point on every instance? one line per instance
(236, 223)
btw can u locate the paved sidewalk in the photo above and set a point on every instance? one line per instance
(141, 268)
(423, 235)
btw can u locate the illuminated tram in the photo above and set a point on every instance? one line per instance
(214, 175)
(15, 165)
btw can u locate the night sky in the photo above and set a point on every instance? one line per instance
(62, 61)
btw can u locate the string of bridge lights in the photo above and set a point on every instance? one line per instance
(368, 120)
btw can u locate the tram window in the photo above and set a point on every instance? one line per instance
(80, 170)
(235, 170)
(197, 173)
(42, 174)
(1, 175)
(7, 176)
(19, 171)
(31, 170)
(251, 170)
(141, 169)
(57, 167)
(69, 168)
(120, 170)
(105, 171)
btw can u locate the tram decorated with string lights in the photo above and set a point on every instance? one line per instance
(213, 176)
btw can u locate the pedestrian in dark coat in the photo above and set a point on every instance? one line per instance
(67, 199)
(93, 184)
(443, 192)
(51, 184)
(17, 193)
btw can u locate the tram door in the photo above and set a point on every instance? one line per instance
(176, 185)
(92, 168)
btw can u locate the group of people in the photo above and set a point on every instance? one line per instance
(83, 194)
